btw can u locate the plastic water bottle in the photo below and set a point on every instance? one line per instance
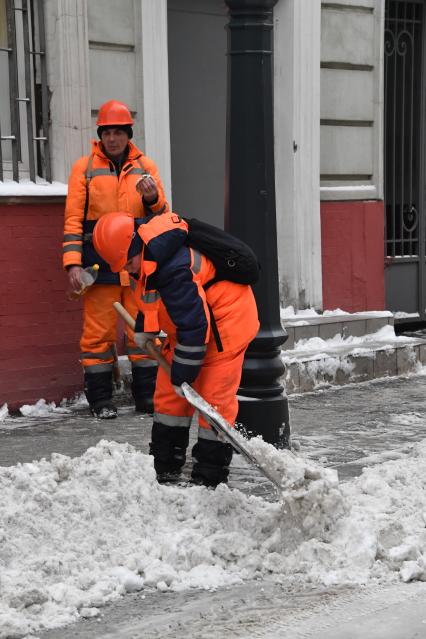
(87, 277)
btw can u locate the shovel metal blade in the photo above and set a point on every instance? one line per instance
(224, 430)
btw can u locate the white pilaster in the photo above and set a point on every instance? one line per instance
(297, 37)
(68, 80)
(155, 76)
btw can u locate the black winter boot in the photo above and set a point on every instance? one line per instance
(168, 446)
(211, 462)
(143, 386)
(98, 391)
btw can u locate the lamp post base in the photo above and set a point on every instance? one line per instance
(268, 417)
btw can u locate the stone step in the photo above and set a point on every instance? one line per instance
(308, 371)
(308, 324)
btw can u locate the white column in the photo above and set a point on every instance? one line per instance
(155, 77)
(297, 37)
(68, 80)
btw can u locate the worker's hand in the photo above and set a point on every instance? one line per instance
(74, 277)
(141, 339)
(184, 371)
(147, 188)
(179, 391)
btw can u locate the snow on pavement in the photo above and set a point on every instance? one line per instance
(76, 533)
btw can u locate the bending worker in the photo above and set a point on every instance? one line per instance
(168, 279)
(115, 175)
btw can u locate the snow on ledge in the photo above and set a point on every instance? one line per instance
(316, 347)
(26, 188)
(289, 314)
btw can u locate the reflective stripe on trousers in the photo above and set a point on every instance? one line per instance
(100, 326)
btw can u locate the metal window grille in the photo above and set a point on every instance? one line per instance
(25, 126)
(404, 21)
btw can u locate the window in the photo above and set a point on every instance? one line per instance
(24, 134)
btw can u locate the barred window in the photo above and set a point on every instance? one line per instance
(24, 116)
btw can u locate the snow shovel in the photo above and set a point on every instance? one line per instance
(221, 427)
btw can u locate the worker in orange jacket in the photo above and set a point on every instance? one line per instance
(116, 175)
(168, 279)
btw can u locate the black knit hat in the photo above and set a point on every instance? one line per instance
(123, 127)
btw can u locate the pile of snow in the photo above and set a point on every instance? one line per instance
(42, 408)
(77, 533)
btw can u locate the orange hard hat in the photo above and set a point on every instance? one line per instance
(114, 113)
(112, 237)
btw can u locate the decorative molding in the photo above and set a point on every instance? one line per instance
(297, 151)
(68, 80)
(345, 177)
(347, 66)
(31, 199)
(350, 192)
(155, 87)
(336, 6)
(110, 46)
(334, 122)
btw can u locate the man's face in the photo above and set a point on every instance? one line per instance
(114, 141)
(133, 266)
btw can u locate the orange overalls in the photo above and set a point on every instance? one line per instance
(171, 297)
(94, 190)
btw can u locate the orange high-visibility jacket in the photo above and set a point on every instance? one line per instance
(95, 175)
(171, 297)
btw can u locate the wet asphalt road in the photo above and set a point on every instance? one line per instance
(340, 426)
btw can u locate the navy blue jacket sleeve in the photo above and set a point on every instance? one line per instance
(139, 322)
(184, 304)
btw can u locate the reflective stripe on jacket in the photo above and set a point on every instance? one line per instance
(106, 193)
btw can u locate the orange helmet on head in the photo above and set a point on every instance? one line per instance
(112, 237)
(114, 113)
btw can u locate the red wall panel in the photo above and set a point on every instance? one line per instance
(39, 327)
(352, 240)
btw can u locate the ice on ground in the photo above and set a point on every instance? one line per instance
(76, 533)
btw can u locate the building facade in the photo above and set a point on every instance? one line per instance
(349, 92)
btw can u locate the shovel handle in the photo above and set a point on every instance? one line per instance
(150, 346)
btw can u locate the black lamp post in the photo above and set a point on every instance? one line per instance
(250, 208)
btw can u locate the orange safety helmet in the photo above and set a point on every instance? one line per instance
(112, 237)
(114, 113)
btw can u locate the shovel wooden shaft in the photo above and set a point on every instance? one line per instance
(156, 354)
(150, 346)
(125, 315)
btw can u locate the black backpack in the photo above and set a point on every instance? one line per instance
(234, 260)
